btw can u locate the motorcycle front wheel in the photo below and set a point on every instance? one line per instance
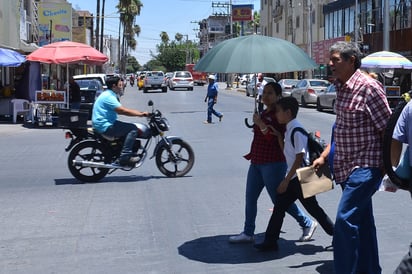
(176, 160)
(87, 151)
(387, 145)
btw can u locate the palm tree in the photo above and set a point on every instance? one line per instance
(179, 37)
(128, 10)
(102, 29)
(255, 23)
(165, 37)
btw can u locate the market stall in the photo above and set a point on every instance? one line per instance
(8, 59)
(48, 102)
(46, 105)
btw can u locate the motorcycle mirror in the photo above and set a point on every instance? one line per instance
(150, 103)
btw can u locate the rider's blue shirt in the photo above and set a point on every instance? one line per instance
(104, 114)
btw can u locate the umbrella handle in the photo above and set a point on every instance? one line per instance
(247, 124)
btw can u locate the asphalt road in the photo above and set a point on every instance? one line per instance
(143, 222)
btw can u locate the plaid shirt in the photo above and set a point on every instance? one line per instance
(362, 112)
(265, 147)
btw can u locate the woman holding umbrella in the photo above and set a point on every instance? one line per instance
(268, 167)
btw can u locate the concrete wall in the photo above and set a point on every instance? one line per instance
(9, 24)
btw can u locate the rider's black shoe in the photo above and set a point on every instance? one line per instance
(128, 161)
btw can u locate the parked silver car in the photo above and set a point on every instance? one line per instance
(307, 90)
(287, 86)
(326, 99)
(251, 89)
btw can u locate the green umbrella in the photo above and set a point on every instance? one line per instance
(254, 54)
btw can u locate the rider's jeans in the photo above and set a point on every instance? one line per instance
(127, 130)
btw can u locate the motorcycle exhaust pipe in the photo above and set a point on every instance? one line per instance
(94, 164)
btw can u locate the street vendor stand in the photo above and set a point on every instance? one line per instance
(46, 105)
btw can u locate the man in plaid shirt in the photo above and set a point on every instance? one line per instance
(362, 112)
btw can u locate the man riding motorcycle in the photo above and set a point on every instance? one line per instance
(104, 119)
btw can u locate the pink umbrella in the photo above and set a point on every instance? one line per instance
(67, 52)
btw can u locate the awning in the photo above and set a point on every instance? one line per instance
(23, 47)
(28, 47)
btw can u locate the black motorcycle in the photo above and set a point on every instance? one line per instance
(92, 156)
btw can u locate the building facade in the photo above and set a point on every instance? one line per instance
(314, 25)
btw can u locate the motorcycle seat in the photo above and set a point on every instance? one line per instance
(107, 137)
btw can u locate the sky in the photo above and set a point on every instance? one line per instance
(171, 16)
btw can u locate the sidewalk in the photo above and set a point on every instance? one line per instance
(223, 86)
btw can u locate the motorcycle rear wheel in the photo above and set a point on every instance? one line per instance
(178, 164)
(87, 151)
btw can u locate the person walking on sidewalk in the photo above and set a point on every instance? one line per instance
(267, 167)
(362, 112)
(289, 190)
(211, 99)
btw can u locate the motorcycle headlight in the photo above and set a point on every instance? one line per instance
(163, 124)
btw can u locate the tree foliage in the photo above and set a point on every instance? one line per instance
(132, 64)
(129, 10)
(173, 55)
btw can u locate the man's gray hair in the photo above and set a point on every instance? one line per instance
(347, 50)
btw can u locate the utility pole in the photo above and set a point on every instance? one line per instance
(309, 32)
(231, 19)
(356, 23)
(228, 7)
(97, 24)
(118, 49)
(50, 41)
(203, 35)
(386, 25)
(187, 48)
(228, 13)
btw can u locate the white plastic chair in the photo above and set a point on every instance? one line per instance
(20, 106)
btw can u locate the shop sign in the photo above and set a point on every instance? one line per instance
(55, 22)
(242, 12)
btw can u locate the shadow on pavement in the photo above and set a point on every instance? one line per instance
(325, 266)
(217, 249)
(108, 179)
